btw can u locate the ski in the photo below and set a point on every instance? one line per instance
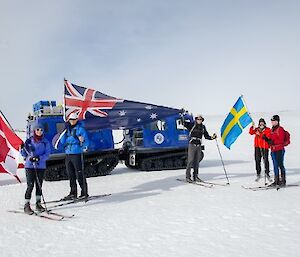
(90, 197)
(267, 187)
(257, 188)
(39, 214)
(196, 183)
(286, 186)
(60, 215)
(77, 200)
(214, 184)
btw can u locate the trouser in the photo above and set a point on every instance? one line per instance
(278, 163)
(74, 170)
(34, 177)
(262, 153)
(194, 157)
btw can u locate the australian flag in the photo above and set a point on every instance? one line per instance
(102, 111)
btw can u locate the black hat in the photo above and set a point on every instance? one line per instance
(262, 120)
(275, 117)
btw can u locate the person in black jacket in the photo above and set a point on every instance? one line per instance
(197, 130)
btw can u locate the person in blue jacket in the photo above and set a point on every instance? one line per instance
(75, 141)
(36, 151)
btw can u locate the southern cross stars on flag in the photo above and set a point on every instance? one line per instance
(102, 111)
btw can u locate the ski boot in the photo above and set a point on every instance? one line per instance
(188, 179)
(268, 177)
(197, 179)
(283, 180)
(27, 209)
(39, 207)
(258, 177)
(83, 195)
(69, 197)
(276, 182)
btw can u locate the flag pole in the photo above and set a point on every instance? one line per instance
(243, 98)
(2, 114)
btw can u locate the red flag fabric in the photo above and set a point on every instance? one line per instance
(9, 148)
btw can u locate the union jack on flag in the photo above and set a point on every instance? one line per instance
(101, 111)
(81, 100)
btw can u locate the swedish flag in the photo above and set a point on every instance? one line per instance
(235, 122)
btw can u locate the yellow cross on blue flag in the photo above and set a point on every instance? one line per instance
(238, 119)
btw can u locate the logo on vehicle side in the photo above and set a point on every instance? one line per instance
(159, 138)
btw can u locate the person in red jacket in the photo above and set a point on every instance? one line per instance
(277, 143)
(261, 147)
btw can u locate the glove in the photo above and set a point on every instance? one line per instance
(34, 159)
(85, 149)
(268, 140)
(214, 136)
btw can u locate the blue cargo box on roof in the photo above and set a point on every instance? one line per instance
(40, 104)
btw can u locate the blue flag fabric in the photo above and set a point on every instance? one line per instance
(235, 122)
(102, 111)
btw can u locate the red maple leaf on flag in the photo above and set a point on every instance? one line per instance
(9, 148)
(4, 150)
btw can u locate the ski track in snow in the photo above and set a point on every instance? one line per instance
(153, 214)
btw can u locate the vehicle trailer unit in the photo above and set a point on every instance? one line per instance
(160, 145)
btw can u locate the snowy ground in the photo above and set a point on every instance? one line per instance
(152, 214)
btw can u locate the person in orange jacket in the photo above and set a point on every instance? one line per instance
(261, 147)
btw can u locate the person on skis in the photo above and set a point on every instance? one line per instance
(261, 147)
(277, 142)
(196, 131)
(75, 141)
(36, 151)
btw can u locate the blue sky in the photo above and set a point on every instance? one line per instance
(200, 55)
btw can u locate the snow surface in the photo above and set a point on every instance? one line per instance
(153, 214)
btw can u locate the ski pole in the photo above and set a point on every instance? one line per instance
(83, 177)
(263, 157)
(39, 185)
(222, 161)
(38, 181)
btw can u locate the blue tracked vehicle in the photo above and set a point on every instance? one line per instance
(101, 158)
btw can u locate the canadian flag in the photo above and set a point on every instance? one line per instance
(9, 148)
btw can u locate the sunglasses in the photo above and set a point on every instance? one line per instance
(39, 130)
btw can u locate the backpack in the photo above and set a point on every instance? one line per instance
(287, 138)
